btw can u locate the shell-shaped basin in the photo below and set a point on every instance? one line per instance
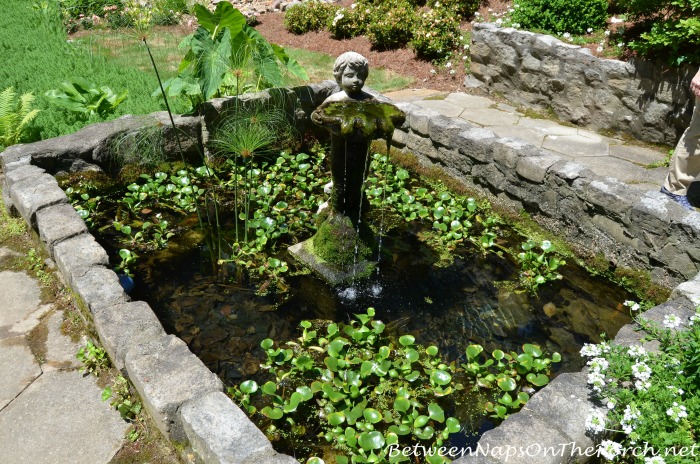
(369, 119)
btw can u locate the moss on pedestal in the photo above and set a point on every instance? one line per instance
(336, 241)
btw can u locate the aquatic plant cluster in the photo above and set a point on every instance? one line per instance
(365, 390)
(275, 200)
(652, 403)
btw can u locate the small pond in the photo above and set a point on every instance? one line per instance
(450, 295)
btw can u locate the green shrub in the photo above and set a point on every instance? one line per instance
(463, 8)
(670, 29)
(309, 16)
(391, 24)
(436, 34)
(349, 22)
(560, 16)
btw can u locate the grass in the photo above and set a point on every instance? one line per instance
(38, 56)
(126, 50)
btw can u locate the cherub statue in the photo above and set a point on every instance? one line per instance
(350, 71)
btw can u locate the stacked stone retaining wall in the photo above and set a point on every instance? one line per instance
(646, 100)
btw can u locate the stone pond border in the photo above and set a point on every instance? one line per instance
(187, 401)
(646, 100)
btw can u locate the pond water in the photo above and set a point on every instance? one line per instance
(468, 298)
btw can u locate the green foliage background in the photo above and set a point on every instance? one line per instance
(38, 57)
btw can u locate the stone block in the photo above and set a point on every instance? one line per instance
(569, 171)
(619, 233)
(534, 168)
(57, 223)
(609, 195)
(506, 151)
(219, 432)
(676, 260)
(564, 403)
(525, 438)
(124, 326)
(630, 335)
(399, 138)
(76, 255)
(681, 307)
(166, 374)
(689, 290)
(33, 193)
(420, 118)
(476, 143)
(98, 287)
(443, 130)
(22, 173)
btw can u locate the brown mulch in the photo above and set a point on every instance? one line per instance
(402, 61)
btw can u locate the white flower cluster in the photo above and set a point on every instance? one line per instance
(629, 418)
(677, 412)
(610, 449)
(671, 321)
(632, 305)
(597, 380)
(675, 390)
(636, 352)
(642, 373)
(595, 422)
(598, 364)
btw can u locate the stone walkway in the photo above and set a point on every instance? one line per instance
(605, 156)
(49, 412)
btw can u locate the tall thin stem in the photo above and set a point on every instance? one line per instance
(172, 120)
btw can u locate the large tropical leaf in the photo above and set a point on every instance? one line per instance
(212, 60)
(225, 16)
(291, 64)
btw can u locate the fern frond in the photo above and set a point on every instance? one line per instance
(14, 116)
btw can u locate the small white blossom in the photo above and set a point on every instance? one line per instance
(452, 72)
(589, 30)
(598, 364)
(595, 422)
(677, 412)
(448, 64)
(566, 35)
(590, 350)
(607, 32)
(477, 14)
(499, 21)
(432, 71)
(609, 449)
(610, 404)
(671, 321)
(629, 418)
(636, 351)
(695, 318)
(597, 380)
(654, 460)
(641, 371)
(675, 390)
(615, 20)
(642, 385)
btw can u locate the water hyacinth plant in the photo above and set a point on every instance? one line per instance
(651, 399)
(365, 392)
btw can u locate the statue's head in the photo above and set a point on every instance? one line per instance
(350, 71)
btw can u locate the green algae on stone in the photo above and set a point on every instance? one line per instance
(371, 118)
